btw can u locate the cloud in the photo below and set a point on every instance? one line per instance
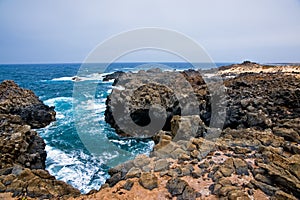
(65, 31)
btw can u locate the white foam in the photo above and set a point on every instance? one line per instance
(68, 168)
(59, 115)
(109, 91)
(119, 87)
(65, 78)
(51, 102)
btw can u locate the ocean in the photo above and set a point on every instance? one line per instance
(67, 157)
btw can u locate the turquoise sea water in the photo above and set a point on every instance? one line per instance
(67, 157)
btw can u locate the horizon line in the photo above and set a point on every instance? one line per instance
(125, 62)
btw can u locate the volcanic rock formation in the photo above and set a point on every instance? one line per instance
(22, 150)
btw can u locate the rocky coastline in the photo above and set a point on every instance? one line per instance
(22, 150)
(256, 155)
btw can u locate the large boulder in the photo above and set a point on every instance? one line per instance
(18, 101)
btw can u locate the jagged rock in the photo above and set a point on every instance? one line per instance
(148, 180)
(227, 189)
(112, 76)
(134, 172)
(22, 150)
(280, 195)
(188, 194)
(19, 144)
(122, 168)
(226, 171)
(237, 194)
(161, 165)
(268, 189)
(176, 186)
(128, 185)
(18, 101)
(241, 166)
(36, 184)
(197, 173)
(114, 179)
(186, 127)
(141, 161)
(289, 134)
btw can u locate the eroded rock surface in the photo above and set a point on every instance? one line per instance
(256, 155)
(22, 150)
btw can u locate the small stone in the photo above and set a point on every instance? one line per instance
(194, 154)
(141, 160)
(250, 192)
(197, 173)
(186, 171)
(5, 171)
(188, 193)
(217, 154)
(226, 171)
(2, 187)
(194, 161)
(226, 189)
(237, 194)
(241, 166)
(147, 168)
(8, 179)
(241, 150)
(114, 179)
(215, 188)
(128, 185)
(225, 182)
(176, 186)
(184, 157)
(161, 165)
(134, 172)
(263, 179)
(180, 153)
(163, 173)
(148, 180)
(217, 175)
(204, 165)
(190, 146)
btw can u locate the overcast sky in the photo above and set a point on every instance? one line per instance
(52, 31)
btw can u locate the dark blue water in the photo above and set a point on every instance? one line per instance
(67, 157)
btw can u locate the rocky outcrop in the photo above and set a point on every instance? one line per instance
(24, 103)
(255, 157)
(112, 76)
(151, 96)
(22, 150)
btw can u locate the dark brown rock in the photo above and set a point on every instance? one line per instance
(161, 165)
(128, 185)
(148, 180)
(134, 173)
(18, 101)
(241, 166)
(176, 186)
(188, 194)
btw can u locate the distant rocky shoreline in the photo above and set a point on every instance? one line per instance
(256, 156)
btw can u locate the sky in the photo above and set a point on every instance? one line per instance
(56, 31)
